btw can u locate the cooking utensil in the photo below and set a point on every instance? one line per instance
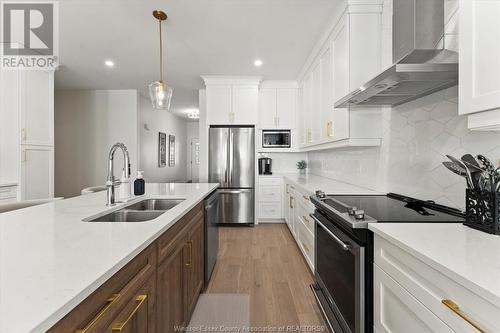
(458, 171)
(461, 165)
(486, 162)
(468, 158)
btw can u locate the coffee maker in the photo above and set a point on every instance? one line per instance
(265, 164)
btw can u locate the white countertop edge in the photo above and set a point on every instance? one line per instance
(75, 301)
(475, 288)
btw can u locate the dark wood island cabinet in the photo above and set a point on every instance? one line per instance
(155, 292)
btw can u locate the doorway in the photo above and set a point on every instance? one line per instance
(194, 166)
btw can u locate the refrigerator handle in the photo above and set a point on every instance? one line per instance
(231, 157)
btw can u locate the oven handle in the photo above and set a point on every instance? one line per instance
(344, 246)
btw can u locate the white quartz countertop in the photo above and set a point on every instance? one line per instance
(50, 260)
(310, 183)
(468, 256)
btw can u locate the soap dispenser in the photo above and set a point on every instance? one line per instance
(139, 184)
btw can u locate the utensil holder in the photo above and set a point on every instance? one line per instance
(482, 211)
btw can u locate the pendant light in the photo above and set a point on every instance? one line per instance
(159, 92)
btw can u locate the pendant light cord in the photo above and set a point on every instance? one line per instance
(161, 54)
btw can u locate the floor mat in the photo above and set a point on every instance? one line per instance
(221, 313)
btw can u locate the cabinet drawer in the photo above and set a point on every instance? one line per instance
(104, 306)
(8, 192)
(270, 193)
(303, 214)
(306, 241)
(269, 181)
(169, 240)
(395, 310)
(431, 287)
(270, 210)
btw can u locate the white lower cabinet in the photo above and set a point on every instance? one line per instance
(270, 199)
(37, 172)
(396, 310)
(410, 296)
(301, 225)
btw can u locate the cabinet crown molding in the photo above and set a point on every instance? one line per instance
(233, 80)
(270, 84)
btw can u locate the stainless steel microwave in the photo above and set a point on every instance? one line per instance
(276, 139)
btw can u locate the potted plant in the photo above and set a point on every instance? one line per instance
(302, 165)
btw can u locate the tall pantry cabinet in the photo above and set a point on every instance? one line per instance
(27, 132)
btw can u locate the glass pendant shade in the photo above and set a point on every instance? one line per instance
(160, 95)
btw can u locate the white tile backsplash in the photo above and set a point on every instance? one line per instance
(416, 138)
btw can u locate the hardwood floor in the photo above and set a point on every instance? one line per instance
(266, 263)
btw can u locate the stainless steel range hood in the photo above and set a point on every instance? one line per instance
(421, 65)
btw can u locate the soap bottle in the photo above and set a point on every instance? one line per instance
(139, 184)
(124, 191)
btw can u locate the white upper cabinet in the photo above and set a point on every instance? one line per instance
(479, 71)
(267, 108)
(286, 107)
(277, 104)
(232, 100)
(219, 102)
(349, 55)
(37, 107)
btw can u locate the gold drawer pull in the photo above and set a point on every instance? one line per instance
(110, 301)
(305, 220)
(455, 308)
(120, 326)
(305, 247)
(189, 244)
(305, 197)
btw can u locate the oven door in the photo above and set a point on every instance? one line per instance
(340, 275)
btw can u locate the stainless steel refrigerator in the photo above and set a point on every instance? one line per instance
(232, 165)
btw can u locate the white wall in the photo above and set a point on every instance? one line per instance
(151, 122)
(87, 124)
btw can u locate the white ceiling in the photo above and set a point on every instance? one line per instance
(202, 37)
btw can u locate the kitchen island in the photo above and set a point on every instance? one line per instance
(51, 261)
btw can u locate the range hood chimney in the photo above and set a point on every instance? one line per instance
(421, 65)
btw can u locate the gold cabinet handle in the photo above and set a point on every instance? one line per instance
(306, 220)
(455, 308)
(189, 244)
(305, 197)
(305, 247)
(23, 134)
(110, 301)
(329, 129)
(120, 326)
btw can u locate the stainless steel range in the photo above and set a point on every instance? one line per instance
(344, 250)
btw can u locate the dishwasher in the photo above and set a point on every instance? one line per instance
(211, 234)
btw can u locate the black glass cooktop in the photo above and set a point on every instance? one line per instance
(395, 208)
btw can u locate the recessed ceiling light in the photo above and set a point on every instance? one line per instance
(257, 63)
(109, 63)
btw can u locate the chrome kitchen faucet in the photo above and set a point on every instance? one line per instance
(111, 182)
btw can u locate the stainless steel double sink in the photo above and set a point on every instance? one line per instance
(141, 211)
